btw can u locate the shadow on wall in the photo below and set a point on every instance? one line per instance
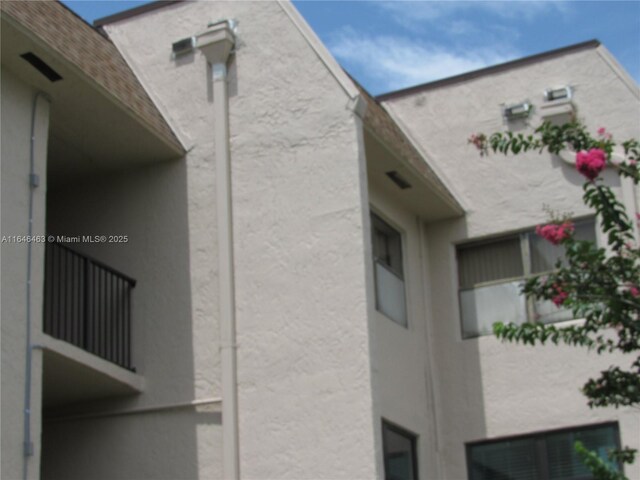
(458, 382)
(154, 445)
(150, 206)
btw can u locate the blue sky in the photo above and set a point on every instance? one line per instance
(388, 45)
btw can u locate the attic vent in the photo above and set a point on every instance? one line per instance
(519, 110)
(552, 94)
(398, 180)
(183, 46)
(40, 65)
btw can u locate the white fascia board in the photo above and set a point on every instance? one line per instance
(318, 47)
(426, 156)
(619, 70)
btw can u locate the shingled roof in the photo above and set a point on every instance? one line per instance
(93, 55)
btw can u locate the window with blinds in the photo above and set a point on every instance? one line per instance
(549, 455)
(491, 275)
(388, 270)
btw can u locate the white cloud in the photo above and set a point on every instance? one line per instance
(396, 62)
(410, 14)
(461, 27)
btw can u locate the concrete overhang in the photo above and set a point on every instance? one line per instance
(387, 150)
(101, 118)
(421, 198)
(72, 375)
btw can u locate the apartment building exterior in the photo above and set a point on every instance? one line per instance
(256, 270)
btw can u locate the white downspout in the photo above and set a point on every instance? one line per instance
(216, 44)
(34, 182)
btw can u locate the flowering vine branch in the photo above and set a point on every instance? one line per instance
(601, 287)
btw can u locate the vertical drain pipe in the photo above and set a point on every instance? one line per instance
(216, 44)
(34, 181)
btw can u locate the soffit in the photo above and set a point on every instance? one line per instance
(379, 124)
(93, 56)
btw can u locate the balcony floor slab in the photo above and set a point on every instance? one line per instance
(72, 375)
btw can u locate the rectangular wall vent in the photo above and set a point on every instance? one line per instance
(398, 180)
(40, 65)
(183, 46)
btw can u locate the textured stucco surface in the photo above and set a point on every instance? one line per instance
(172, 330)
(303, 345)
(156, 445)
(485, 388)
(399, 358)
(17, 99)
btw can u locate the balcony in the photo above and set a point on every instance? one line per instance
(88, 304)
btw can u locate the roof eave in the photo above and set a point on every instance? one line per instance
(520, 62)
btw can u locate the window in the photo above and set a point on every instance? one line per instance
(400, 460)
(549, 455)
(492, 273)
(388, 270)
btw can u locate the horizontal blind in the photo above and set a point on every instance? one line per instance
(486, 262)
(564, 462)
(511, 459)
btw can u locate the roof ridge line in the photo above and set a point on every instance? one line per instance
(594, 43)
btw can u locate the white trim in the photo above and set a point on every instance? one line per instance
(462, 204)
(134, 411)
(619, 70)
(321, 51)
(216, 47)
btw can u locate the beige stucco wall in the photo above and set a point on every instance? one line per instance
(298, 195)
(400, 358)
(166, 445)
(17, 100)
(485, 388)
(172, 332)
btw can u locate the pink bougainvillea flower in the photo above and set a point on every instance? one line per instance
(554, 232)
(479, 141)
(591, 163)
(634, 291)
(602, 132)
(560, 297)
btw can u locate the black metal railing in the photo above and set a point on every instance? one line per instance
(88, 304)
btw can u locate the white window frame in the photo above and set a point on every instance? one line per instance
(525, 256)
(395, 228)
